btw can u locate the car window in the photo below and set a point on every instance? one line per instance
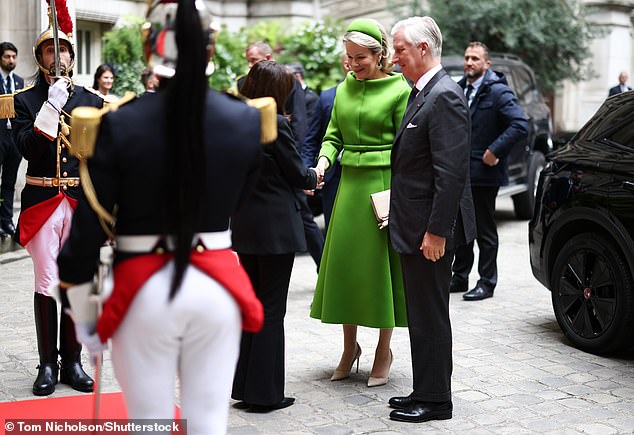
(617, 126)
(523, 85)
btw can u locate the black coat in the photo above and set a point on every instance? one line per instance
(130, 163)
(616, 90)
(269, 221)
(498, 123)
(40, 152)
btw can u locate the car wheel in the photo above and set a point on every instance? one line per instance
(524, 203)
(593, 294)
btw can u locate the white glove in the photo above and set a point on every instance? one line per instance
(58, 94)
(87, 336)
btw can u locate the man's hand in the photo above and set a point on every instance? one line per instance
(433, 247)
(489, 159)
(58, 94)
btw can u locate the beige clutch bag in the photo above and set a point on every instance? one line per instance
(381, 206)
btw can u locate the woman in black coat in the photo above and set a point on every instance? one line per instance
(267, 231)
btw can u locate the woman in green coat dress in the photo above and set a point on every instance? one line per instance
(360, 280)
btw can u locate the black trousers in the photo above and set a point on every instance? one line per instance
(10, 159)
(259, 377)
(314, 236)
(427, 296)
(487, 238)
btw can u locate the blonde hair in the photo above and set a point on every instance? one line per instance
(383, 49)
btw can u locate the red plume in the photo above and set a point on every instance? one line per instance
(63, 17)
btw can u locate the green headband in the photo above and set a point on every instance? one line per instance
(366, 26)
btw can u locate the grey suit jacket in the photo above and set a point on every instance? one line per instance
(430, 168)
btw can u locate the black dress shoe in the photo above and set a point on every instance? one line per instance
(423, 411)
(74, 375)
(8, 228)
(3, 234)
(401, 402)
(261, 409)
(241, 405)
(458, 286)
(477, 294)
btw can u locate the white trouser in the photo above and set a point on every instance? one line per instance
(197, 334)
(45, 246)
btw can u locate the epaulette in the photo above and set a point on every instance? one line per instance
(95, 92)
(85, 123)
(268, 115)
(7, 107)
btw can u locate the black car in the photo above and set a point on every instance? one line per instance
(527, 159)
(581, 236)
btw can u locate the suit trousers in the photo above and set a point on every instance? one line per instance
(487, 238)
(10, 159)
(427, 296)
(195, 335)
(260, 374)
(314, 236)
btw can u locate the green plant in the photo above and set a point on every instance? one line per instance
(317, 45)
(123, 49)
(552, 36)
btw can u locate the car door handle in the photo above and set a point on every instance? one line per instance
(628, 185)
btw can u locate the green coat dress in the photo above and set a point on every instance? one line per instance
(360, 279)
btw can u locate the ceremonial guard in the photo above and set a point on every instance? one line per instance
(180, 297)
(41, 133)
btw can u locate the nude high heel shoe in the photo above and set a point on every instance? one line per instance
(339, 374)
(376, 381)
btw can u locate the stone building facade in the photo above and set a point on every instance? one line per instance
(22, 20)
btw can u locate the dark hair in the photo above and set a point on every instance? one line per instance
(297, 68)
(482, 45)
(4, 46)
(186, 94)
(145, 76)
(100, 70)
(268, 78)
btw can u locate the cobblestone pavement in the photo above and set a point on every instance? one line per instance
(514, 372)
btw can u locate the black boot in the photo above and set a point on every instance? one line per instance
(45, 309)
(72, 372)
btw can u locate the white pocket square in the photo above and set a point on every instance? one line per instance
(410, 125)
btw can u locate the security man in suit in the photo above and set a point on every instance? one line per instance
(40, 131)
(497, 126)
(10, 158)
(622, 86)
(430, 173)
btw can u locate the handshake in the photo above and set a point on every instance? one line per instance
(320, 169)
(320, 181)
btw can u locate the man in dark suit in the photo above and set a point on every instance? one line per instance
(316, 130)
(622, 86)
(9, 156)
(430, 173)
(497, 125)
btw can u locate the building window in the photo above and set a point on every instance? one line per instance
(84, 49)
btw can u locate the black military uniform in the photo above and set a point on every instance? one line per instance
(52, 181)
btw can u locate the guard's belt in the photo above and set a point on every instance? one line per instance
(52, 182)
(159, 244)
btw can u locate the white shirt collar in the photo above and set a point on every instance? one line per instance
(422, 82)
